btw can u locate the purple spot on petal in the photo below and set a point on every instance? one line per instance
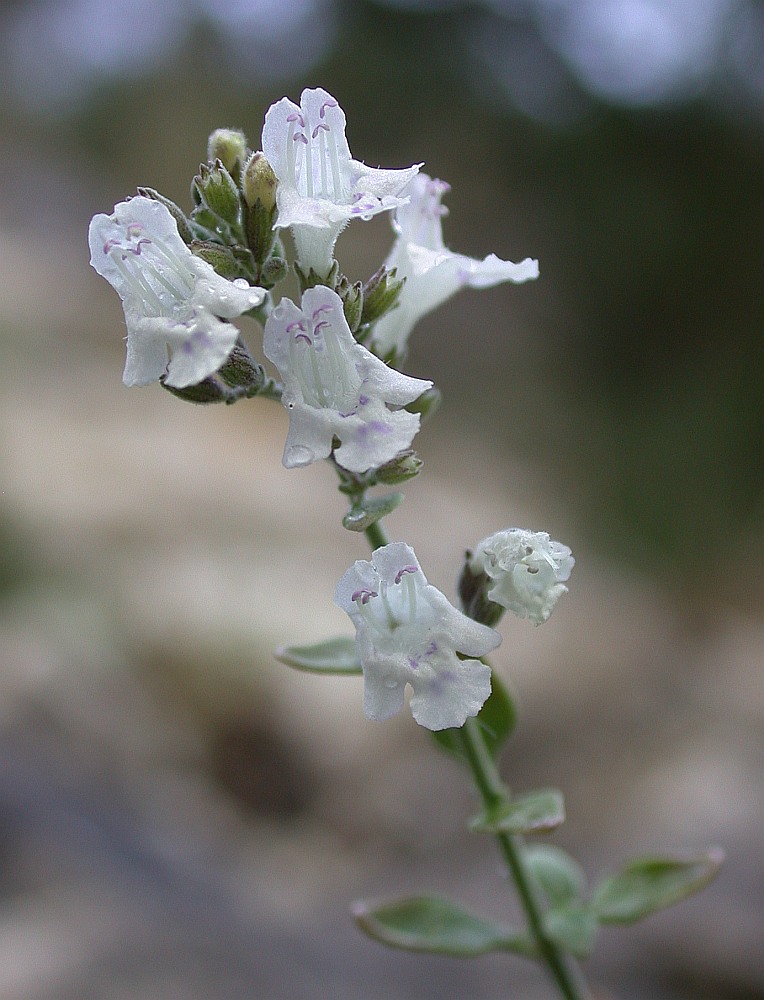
(321, 309)
(299, 137)
(324, 106)
(321, 127)
(363, 400)
(302, 336)
(296, 117)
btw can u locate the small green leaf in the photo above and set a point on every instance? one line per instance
(335, 656)
(573, 928)
(650, 884)
(559, 875)
(497, 719)
(368, 511)
(535, 812)
(427, 923)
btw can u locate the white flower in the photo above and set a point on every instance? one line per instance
(527, 571)
(432, 272)
(334, 387)
(171, 298)
(408, 633)
(320, 186)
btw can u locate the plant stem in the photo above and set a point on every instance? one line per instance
(563, 970)
(376, 535)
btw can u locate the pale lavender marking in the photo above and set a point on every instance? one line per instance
(299, 137)
(296, 117)
(297, 325)
(324, 106)
(302, 336)
(321, 125)
(322, 309)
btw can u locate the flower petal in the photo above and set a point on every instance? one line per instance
(454, 693)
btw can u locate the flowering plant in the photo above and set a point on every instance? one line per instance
(182, 279)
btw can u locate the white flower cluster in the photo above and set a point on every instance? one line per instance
(344, 400)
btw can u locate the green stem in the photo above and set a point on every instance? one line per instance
(376, 535)
(561, 967)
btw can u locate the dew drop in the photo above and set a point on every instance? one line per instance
(240, 283)
(299, 455)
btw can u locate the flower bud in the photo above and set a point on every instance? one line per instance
(380, 294)
(218, 192)
(228, 145)
(403, 467)
(259, 188)
(352, 302)
(259, 182)
(241, 371)
(219, 257)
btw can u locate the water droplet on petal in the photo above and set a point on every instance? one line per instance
(299, 455)
(240, 283)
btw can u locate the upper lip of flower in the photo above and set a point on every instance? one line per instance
(306, 146)
(170, 296)
(333, 387)
(409, 633)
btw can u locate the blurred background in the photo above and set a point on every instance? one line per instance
(180, 815)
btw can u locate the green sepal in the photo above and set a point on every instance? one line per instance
(647, 885)
(573, 928)
(534, 812)
(380, 294)
(219, 192)
(205, 224)
(240, 371)
(400, 469)
(426, 405)
(496, 719)
(219, 257)
(368, 511)
(204, 392)
(312, 279)
(559, 875)
(431, 924)
(182, 222)
(352, 301)
(334, 656)
(473, 588)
